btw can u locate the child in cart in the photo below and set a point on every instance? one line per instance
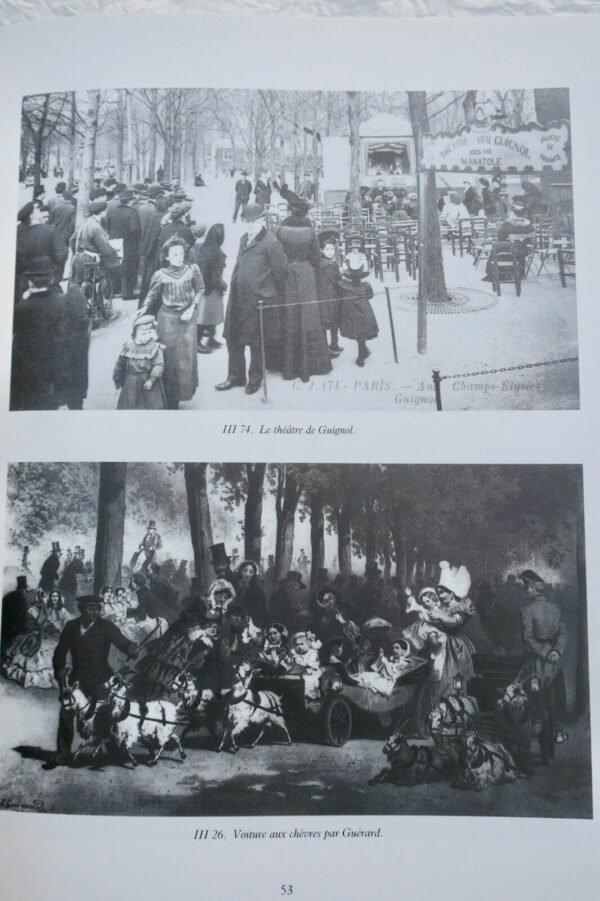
(384, 672)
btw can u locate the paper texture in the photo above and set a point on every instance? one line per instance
(388, 635)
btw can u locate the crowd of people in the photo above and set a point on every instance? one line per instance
(294, 291)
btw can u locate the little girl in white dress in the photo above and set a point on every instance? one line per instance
(385, 671)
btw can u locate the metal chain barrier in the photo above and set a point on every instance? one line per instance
(438, 379)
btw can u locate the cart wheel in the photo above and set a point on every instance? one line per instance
(422, 708)
(338, 722)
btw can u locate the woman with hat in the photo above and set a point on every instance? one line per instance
(250, 592)
(328, 619)
(328, 284)
(173, 297)
(211, 260)
(357, 319)
(302, 349)
(139, 369)
(177, 227)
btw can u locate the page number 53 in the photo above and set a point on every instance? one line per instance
(287, 890)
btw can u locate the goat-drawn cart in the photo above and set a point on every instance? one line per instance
(341, 701)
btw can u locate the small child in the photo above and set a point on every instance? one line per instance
(306, 657)
(328, 284)
(358, 319)
(139, 369)
(385, 671)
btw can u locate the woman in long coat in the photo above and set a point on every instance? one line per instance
(173, 297)
(211, 260)
(303, 351)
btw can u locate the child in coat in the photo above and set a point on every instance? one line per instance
(358, 319)
(139, 369)
(328, 284)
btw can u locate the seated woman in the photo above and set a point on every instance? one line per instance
(275, 650)
(385, 671)
(28, 659)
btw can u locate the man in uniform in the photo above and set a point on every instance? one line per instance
(258, 275)
(88, 640)
(545, 638)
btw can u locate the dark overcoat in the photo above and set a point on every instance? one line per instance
(49, 572)
(89, 652)
(38, 350)
(14, 612)
(258, 275)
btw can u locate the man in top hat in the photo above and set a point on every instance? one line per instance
(258, 276)
(14, 611)
(243, 188)
(290, 603)
(221, 562)
(68, 580)
(149, 545)
(50, 568)
(123, 222)
(88, 641)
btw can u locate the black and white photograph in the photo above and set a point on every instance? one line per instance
(216, 249)
(251, 639)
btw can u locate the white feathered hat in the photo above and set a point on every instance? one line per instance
(455, 579)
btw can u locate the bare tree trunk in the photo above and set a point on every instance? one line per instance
(288, 495)
(130, 155)
(344, 536)
(38, 143)
(153, 134)
(255, 473)
(371, 519)
(108, 555)
(120, 135)
(199, 516)
(72, 142)
(432, 282)
(354, 137)
(582, 687)
(469, 107)
(89, 155)
(317, 536)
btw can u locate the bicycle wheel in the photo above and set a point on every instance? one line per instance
(104, 297)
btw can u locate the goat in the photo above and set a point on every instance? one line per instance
(85, 712)
(152, 724)
(410, 763)
(247, 708)
(194, 701)
(482, 763)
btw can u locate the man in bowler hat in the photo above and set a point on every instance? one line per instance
(88, 641)
(258, 276)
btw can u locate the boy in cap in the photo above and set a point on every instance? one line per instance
(139, 368)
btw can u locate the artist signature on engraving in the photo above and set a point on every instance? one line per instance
(13, 804)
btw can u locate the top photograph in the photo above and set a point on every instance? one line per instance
(206, 249)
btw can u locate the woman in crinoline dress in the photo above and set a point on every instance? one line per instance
(28, 660)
